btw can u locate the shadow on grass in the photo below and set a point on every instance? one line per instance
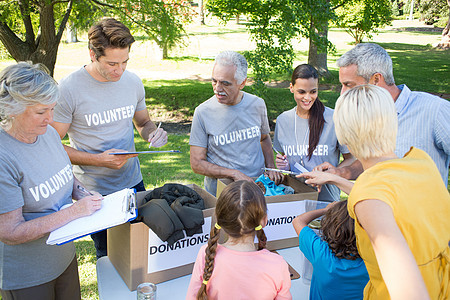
(190, 58)
(85, 250)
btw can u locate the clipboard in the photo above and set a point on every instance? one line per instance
(117, 208)
(145, 152)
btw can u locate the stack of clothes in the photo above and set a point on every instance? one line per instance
(170, 209)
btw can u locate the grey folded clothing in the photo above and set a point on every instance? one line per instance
(160, 218)
(175, 205)
(187, 209)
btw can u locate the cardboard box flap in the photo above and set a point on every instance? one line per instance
(140, 256)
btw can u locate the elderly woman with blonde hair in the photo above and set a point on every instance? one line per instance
(35, 182)
(400, 204)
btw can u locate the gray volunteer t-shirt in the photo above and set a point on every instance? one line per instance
(327, 150)
(101, 115)
(37, 177)
(231, 134)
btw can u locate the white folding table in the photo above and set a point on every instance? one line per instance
(112, 287)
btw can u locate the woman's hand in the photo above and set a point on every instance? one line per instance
(282, 162)
(88, 205)
(318, 178)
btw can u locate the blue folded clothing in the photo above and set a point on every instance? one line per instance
(271, 188)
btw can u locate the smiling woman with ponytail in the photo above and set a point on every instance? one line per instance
(237, 268)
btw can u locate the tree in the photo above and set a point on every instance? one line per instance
(437, 12)
(272, 25)
(32, 29)
(19, 24)
(445, 41)
(361, 18)
(162, 20)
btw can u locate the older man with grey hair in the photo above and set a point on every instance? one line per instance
(422, 117)
(230, 131)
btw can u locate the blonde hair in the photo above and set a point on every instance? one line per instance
(365, 120)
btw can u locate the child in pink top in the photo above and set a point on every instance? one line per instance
(237, 270)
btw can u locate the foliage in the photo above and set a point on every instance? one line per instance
(273, 24)
(32, 30)
(361, 18)
(162, 20)
(395, 8)
(433, 11)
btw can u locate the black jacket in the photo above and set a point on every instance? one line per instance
(170, 209)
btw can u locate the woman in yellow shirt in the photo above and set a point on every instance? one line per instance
(401, 205)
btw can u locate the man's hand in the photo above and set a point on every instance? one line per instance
(282, 162)
(238, 175)
(350, 172)
(276, 177)
(325, 167)
(114, 161)
(158, 138)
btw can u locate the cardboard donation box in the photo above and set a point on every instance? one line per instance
(140, 256)
(281, 210)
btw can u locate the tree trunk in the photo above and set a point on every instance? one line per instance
(445, 40)
(317, 58)
(165, 52)
(202, 12)
(42, 49)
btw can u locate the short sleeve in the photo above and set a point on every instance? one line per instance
(64, 109)
(140, 95)
(343, 148)
(276, 142)
(10, 191)
(371, 186)
(198, 136)
(265, 129)
(312, 246)
(442, 127)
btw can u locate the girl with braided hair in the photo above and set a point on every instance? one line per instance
(237, 269)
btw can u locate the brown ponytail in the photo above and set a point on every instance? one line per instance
(262, 239)
(239, 210)
(210, 255)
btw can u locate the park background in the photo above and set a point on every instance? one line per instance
(175, 86)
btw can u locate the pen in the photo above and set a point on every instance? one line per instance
(154, 134)
(281, 171)
(84, 190)
(278, 152)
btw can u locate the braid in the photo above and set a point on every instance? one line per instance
(210, 254)
(262, 239)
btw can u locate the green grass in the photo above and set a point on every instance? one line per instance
(86, 267)
(158, 169)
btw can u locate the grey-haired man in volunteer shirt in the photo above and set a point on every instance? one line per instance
(230, 131)
(99, 105)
